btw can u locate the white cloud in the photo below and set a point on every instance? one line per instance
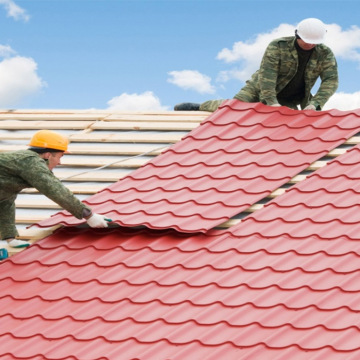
(19, 80)
(249, 53)
(254, 49)
(344, 43)
(14, 10)
(136, 102)
(192, 80)
(343, 101)
(6, 51)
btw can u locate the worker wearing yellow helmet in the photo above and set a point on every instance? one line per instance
(33, 168)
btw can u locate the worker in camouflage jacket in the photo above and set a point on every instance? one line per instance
(289, 69)
(33, 168)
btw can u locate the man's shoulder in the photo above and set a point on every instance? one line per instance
(323, 48)
(19, 155)
(286, 42)
(26, 154)
(284, 39)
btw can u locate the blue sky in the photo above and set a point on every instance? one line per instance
(152, 54)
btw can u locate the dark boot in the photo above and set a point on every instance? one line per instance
(187, 107)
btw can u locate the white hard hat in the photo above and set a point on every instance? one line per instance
(312, 31)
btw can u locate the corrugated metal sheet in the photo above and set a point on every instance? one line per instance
(237, 156)
(283, 284)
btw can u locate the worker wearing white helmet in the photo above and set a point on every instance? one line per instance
(289, 70)
(33, 168)
(311, 31)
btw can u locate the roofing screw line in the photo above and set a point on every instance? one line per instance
(115, 162)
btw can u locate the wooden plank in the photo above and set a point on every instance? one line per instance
(254, 208)
(41, 203)
(57, 111)
(143, 126)
(35, 233)
(354, 140)
(32, 235)
(277, 192)
(316, 165)
(78, 189)
(86, 149)
(96, 124)
(297, 179)
(95, 163)
(49, 125)
(109, 138)
(51, 117)
(156, 112)
(337, 152)
(30, 218)
(193, 116)
(128, 137)
(229, 223)
(93, 176)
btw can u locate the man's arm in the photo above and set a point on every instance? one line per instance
(329, 82)
(268, 74)
(36, 173)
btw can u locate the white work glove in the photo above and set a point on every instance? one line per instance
(276, 104)
(16, 243)
(310, 107)
(98, 221)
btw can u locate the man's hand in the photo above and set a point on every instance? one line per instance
(98, 221)
(310, 107)
(276, 104)
(16, 243)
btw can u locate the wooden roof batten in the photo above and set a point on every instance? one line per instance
(98, 138)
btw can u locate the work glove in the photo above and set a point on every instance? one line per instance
(17, 244)
(310, 107)
(276, 104)
(98, 221)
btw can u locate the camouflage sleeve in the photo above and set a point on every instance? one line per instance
(38, 175)
(329, 81)
(268, 74)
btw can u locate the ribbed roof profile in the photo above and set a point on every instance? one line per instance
(236, 157)
(282, 284)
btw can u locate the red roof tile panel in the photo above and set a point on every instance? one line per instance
(326, 204)
(237, 293)
(237, 156)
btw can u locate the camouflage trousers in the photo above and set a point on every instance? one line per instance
(246, 94)
(7, 218)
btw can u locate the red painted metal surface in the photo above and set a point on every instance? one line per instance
(282, 284)
(236, 157)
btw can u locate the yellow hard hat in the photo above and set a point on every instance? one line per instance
(48, 139)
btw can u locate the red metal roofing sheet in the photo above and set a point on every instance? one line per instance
(123, 293)
(283, 284)
(329, 197)
(237, 156)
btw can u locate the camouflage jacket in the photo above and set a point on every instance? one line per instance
(25, 169)
(279, 65)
